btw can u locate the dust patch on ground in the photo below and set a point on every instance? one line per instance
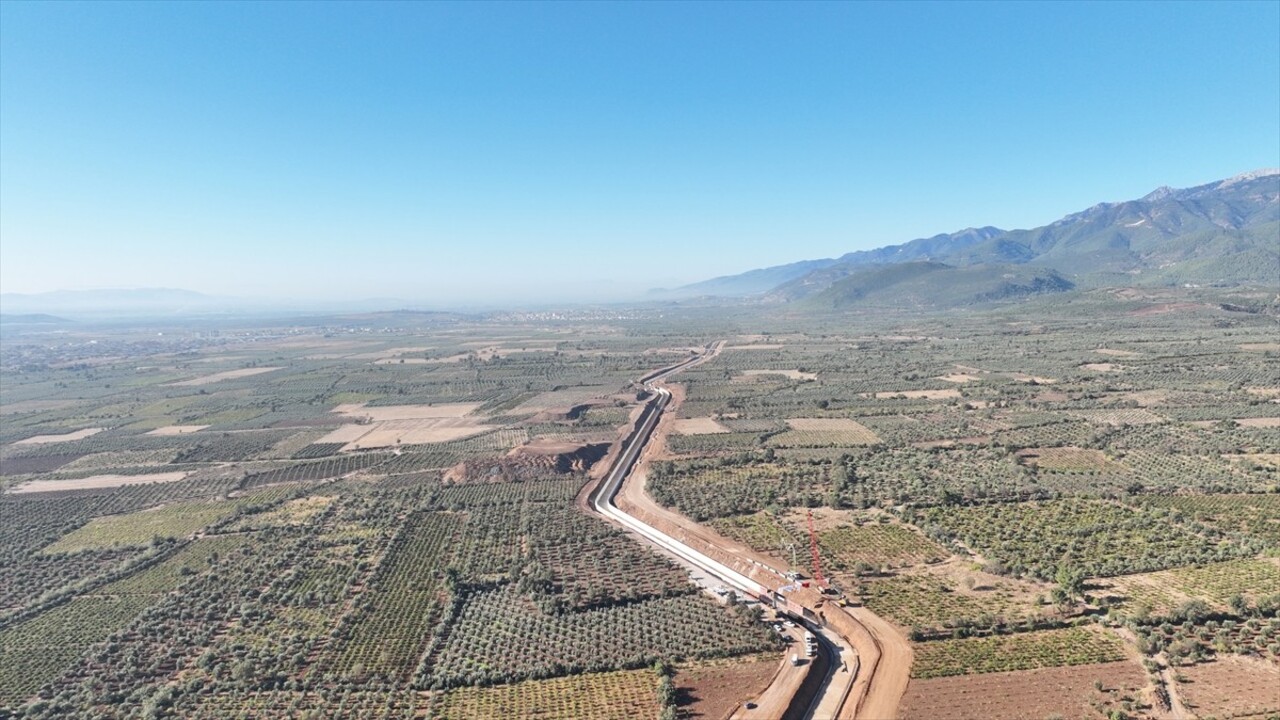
(169, 430)
(225, 375)
(1117, 353)
(1103, 367)
(959, 378)
(64, 437)
(1260, 347)
(97, 482)
(698, 426)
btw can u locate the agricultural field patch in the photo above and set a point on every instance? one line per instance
(1095, 537)
(792, 374)
(698, 426)
(169, 430)
(1231, 687)
(1128, 416)
(1256, 514)
(406, 412)
(225, 375)
(592, 696)
(392, 433)
(810, 432)
(1070, 693)
(140, 528)
(879, 544)
(1067, 459)
(714, 688)
(1259, 422)
(60, 437)
(942, 394)
(99, 482)
(1021, 651)
(951, 597)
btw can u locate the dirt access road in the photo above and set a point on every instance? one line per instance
(874, 660)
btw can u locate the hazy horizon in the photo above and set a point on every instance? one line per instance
(459, 154)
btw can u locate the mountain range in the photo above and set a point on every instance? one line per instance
(1224, 233)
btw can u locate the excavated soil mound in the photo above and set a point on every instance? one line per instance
(535, 459)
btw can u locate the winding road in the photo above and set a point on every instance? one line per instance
(851, 648)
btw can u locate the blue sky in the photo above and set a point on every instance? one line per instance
(491, 153)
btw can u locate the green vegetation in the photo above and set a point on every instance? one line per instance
(1024, 651)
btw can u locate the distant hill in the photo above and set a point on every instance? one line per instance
(928, 284)
(32, 319)
(160, 301)
(752, 282)
(1224, 233)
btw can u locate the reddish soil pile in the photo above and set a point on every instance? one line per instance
(535, 459)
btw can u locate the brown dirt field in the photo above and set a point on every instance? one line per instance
(959, 378)
(1163, 308)
(1117, 353)
(946, 394)
(1259, 422)
(346, 434)
(407, 412)
(1261, 347)
(715, 689)
(1263, 391)
(97, 482)
(1147, 398)
(169, 430)
(1231, 686)
(1066, 691)
(64, 437)
(793, 374)
(698, 426)
(226, 375)
(1103, 367)
(1023, 377)
(415, 432)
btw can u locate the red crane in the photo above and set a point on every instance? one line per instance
(813, 548)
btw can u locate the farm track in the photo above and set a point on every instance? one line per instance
(879, 656)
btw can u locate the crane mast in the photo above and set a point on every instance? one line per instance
(813, 549)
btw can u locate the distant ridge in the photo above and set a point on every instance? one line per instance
(1223, 233)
